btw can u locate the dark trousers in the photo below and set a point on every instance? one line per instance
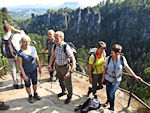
(64, 83)
(51, 73)
(111, 90)
(96, 82)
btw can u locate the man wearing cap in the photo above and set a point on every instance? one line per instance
(63, 67)
(95, 68)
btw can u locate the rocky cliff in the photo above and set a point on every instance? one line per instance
(77, 20)
(89, 21)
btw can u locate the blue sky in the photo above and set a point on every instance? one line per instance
(4, 3)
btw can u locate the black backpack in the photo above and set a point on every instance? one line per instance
(89, 104)
(7, 48)
(121, 57)
(71, 46)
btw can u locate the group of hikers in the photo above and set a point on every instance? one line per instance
(101, 68)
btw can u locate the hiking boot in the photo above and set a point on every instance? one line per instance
(50, 79)
(67, 100)
(95, 96)
(90, 90)
(37, 97)
(111, 108)
(61, 94)
(100, 87)
(106, 104)
(30, 100)
(16, 86)
(3, 106)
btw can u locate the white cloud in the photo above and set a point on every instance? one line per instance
(4, 3)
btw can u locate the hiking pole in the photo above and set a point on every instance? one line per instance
(52, 80)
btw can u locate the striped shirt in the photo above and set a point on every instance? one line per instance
(61, 57)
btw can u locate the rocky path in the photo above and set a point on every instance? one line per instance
(17, 98)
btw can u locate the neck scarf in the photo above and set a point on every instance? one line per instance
(98, 55)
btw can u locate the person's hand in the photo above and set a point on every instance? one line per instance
(49, 68)
(138, 78)
(43, 51)
(40, 71)
(102, 81)
(90, 80)
(25, 78)
(22, 32)
(67, 75)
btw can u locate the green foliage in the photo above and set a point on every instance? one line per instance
(51, 11)
(147, 71)
(83, 55)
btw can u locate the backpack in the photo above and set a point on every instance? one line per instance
(121, 58)
(92, 51)
(89, 104)
(71, 46)
(7, 48)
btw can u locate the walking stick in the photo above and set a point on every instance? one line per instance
(52, 82)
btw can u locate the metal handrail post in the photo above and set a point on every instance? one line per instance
(131, 90)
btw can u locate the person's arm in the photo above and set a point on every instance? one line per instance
(103, 75)
(51, 61)
(19, 60)
(43, 50)
(130, 71)
(90, 74)
(16, 30)
(73, 66)
(38, 63)
(46, 47)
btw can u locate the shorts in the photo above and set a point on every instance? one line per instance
(31, 76)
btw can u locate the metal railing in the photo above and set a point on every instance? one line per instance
(131, 89)
(129, 92)
(3, 63)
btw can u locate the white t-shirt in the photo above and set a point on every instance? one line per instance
(116, 67)
(15, 40)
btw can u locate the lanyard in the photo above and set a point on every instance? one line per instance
(115, 64)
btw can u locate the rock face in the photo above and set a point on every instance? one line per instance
(80, 20)
(88, 21)
(146, 23)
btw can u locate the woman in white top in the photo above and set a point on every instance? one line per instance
(113, 71)
(28, 61)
